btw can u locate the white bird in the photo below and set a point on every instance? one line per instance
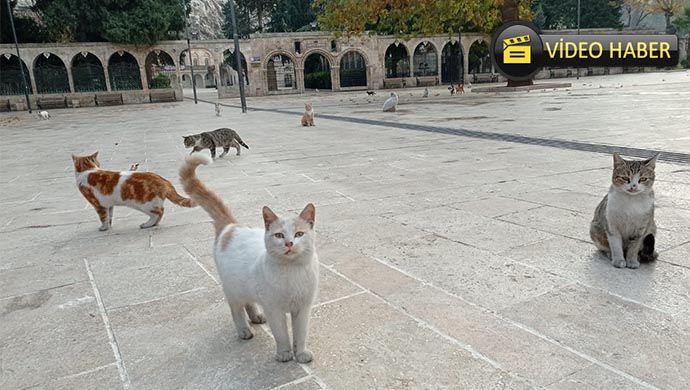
(44, 115)
(391, 103)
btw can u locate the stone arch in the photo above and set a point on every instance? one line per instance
(124, 72)
(228, 69)
(199, 79)
(397, 61)
(317, 70)
(280, 71)
(479, 58)
(11, 68)
(425, 60)
(50, 74)
(87, 73)
(159, 62)
(452, 71)
(353, 69)
(329, 56)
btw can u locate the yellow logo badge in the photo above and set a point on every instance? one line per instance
(517, 50)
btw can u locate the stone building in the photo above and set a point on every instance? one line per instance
(276, 63)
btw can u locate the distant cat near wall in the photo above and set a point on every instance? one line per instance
(223, 137)
(274, 268)
(143, 191)
(308, 116)
(623, 224)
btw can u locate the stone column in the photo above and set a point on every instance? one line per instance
(299, 79)
(335, 78)
(144, 80)
(70, 79)
(106, 74)
(465, 65)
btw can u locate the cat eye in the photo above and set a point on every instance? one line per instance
(643, 179)
(299, 234)
(279, 235)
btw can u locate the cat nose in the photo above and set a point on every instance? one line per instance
(288, 244)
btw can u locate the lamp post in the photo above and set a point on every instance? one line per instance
(578, 32)
(189, 48)
(238, 54)
(19, 57)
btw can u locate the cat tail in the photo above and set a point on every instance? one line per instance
(237, 137)
(207, 199)
(647, 253)
(178, 199)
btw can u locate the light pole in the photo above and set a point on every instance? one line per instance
(19, 57)
(578, 32)
(189, 48)
(238, 54)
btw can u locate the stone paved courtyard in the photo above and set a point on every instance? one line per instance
(447, 262)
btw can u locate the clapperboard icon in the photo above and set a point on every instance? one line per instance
(517, 50)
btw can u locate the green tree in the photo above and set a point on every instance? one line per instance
(27, 28)
(291, 15)
(251, 15)
(144, 21)
(125, 21)
(562, 14)
(682, 22)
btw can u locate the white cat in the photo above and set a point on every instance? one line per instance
(44, 115)
(391, 104)
(275, 269)
(217, 109)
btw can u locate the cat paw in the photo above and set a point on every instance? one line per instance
(104, 228)
(633, 264)
(284, 356)
(245, 334)
(258, 319)
(619, 263)
(304, 356)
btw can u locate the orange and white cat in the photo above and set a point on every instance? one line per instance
(308, 116)
(143, 191)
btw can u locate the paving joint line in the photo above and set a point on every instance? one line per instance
(122, 370)
(667, 156)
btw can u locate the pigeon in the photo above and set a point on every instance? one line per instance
(426, 92)
(391, 104)
(44, 115)
(316, 90)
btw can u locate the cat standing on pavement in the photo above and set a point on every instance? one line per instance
(274, 268)
(308, 116)
(143, 191)
(623, 224)
(224, 137)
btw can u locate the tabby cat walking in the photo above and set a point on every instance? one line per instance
(623, 226)
(223, 137)
(274, 268)
(143, 191)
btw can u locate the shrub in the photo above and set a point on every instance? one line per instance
(161, 81)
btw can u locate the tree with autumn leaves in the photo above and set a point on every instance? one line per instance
(414, 17)
(420, 17)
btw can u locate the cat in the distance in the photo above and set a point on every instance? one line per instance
(223, 137)
(308, 116)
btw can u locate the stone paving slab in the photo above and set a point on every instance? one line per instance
(446, 261)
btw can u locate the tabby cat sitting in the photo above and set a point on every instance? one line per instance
(623, 226)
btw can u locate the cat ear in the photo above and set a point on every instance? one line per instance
(617, 159)
(269, 216)
(309, 214)
(652, 161)
(95, 155)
